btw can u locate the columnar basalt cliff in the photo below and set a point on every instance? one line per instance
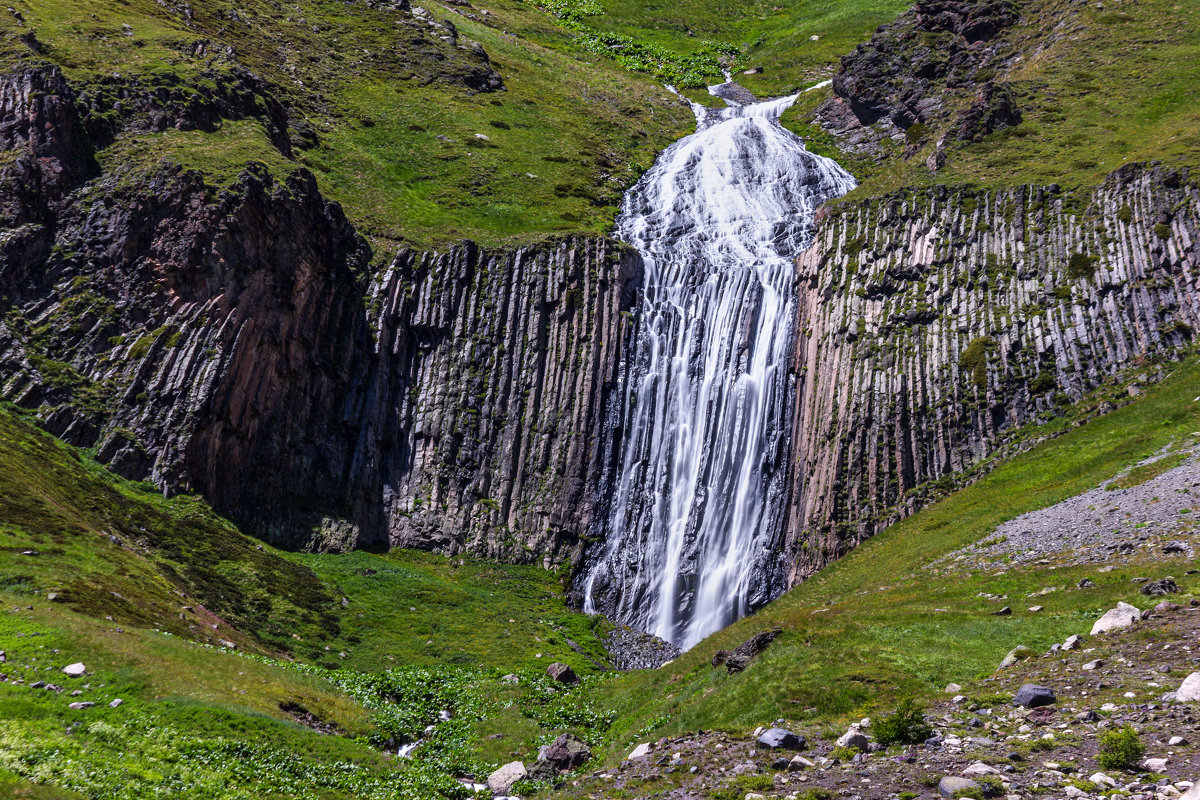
(499, 369)
(232, 342)
(934, 323)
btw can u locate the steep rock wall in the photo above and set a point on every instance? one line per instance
(933, 323)
(499, 368)
(233, 343)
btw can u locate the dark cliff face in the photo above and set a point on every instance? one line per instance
(232, 343)
(932, 325)
(904, 75)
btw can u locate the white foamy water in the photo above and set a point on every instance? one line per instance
(697, 503)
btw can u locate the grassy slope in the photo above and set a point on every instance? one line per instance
(879, 625)
(776, 35)
(580, 125)
(151, 644)
(1098, 88)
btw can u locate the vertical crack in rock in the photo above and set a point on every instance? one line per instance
(932, 324)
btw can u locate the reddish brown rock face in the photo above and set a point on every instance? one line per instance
(234, 344)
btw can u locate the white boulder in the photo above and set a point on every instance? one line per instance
(1117, 618)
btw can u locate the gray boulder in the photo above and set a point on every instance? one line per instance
(776, 738)
(949, 786)
(1189, 691)
(854, 739)
(1033, 696)
(502, 780)
(1117, 618)
(1160, 587)
(568, 751)
(542, 770)
(1019, 653)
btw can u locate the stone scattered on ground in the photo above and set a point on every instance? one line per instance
(503, 779)
(641, 751)
(1117, 618)
(566, 752)
(854, 739)
(1189, 690)
(562, 673)
(740, 658)
(1158, 588)
(953, 786)
(781, 738)
(1016, 655)
(1151, 518)
(629, 648)
(1033, 696)
(979, 735)
(76, 670)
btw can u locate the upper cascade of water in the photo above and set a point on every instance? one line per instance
(696, 503)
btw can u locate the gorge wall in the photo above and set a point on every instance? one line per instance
(235, 343)
(932, 323)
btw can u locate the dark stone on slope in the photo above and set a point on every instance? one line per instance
(1160, 587)
(993, 108)
(899, 76)
(781, 738)
(1033, 696)
(740, 658)
(562, 673)
(566, 752)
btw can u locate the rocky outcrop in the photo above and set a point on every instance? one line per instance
(908, 72)
(235, 343)
(933, 324)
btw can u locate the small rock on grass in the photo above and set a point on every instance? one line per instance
(75, 670)
(949, 786)
(1160, 587)
(1117, 618)
(1189, 690)
(853, 739)
(1019, 653)
(1033, 696)
(562, 673)
(502, 780)
(641, 751)
(781, 738)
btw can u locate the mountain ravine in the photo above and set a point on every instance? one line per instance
(245, 343)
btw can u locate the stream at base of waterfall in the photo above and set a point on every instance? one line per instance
(692, 534)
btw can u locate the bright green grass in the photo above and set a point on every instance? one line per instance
(878, 625)
(201, 721)
(571, 131)
(776, 35)
(417, 608)
(172, 554)
(1112, 86)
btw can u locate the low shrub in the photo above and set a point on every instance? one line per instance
(906, 726)
(1120, 749)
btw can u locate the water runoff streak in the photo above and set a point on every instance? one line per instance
(697, 498)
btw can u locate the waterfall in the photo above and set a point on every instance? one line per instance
(696, 497)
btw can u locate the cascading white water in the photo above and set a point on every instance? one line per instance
(697, 500)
